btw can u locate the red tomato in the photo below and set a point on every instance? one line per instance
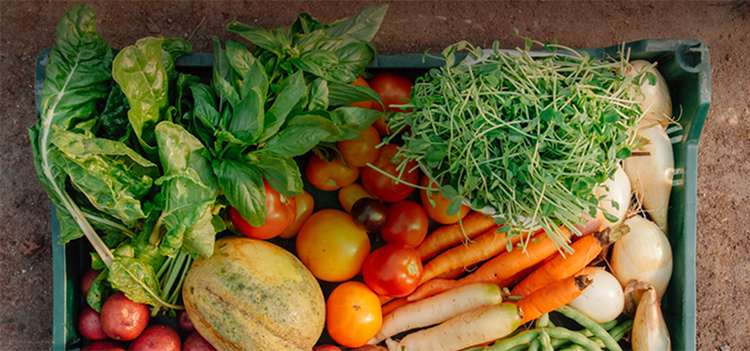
(363, 104)
(439, 213)
(281, 214)
(353, 314)
(360, 152)
(305, 204)
(384, 187)
(329, 176)
(406, 223)
(393, 90)
(393, 270)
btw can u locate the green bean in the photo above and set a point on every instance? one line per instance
(518, 348)
(522, 338)
(545, 341)
(558, 343)
(589, 324)
(609, 325)
(543, 321)
(534, 345)
(622, 329)
(576, 337)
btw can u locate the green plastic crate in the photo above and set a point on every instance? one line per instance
(684, 63)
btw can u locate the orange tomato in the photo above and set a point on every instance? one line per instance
(360, 152)
(439, 213)
(329, 176)
(353, 314)
(363, 104)
(305, 204)
(349, 194)
(332, 246)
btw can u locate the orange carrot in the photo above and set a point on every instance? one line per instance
(562, 266)
(453, 273)
(394, 305)
(451, 235)
(498, 269)
(552, 297)
(384, 299)
(488, 245)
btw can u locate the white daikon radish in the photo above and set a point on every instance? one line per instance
(649, 329)
(467, 329)
(653, 99)
(651, 169)
(439, 308)
(603, 300)
(643, 254)
(614, 197)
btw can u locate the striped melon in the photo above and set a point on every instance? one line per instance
(254, 295)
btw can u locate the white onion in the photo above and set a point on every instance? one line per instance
(654, 100)
(651, 176)
(615, 190)
(603, 300)
(643, 254)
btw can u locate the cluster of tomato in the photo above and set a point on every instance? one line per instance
(335, 244)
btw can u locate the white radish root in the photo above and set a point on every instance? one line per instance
(467, 329)
(439, 308)
(651, 170)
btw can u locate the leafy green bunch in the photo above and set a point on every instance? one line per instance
(142, 159)
(525, 137)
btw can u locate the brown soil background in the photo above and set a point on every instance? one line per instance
(723, 241)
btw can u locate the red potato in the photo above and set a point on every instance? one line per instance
(184, 321)
(90, 324)
(326, 348)
(157, 338)
(123, 319)
(106, 345)
(88, 278)
(195, 342)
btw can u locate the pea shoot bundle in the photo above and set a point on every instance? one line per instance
(528, 136)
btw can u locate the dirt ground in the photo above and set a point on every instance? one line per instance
(723, 289)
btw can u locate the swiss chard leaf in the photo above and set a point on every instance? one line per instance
(188, 186)
(200, 238)
(137, 280)
(113, 121)
(140, 71)
(113, 177)
(243, 187)
(99, 291)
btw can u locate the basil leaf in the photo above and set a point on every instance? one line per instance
(282, 174)
(243, 187)
(361, 26)
(317, 62)
(260, 37)
(172, 48)
(204, 105)
(318, 94)
(342, 94)
(249, 70)
(248, 114)
(294, 141)
(351, 121)
(354, 57)
(285, 101)
(305, 24)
